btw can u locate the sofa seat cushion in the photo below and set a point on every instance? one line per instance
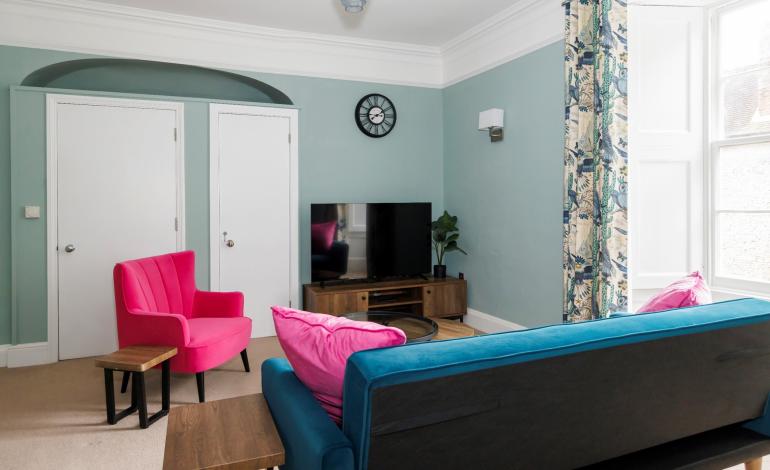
(318, 347)
(213, 341)
(204, 331)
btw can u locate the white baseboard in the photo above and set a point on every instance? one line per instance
(489, 323)
(21, 355)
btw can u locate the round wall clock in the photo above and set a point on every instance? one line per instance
(375, 115)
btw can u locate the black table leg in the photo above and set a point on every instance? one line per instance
(138, 379)
(138, 382)
(166, 385)
(138, 396)
(109, 391)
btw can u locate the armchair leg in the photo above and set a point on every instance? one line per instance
(201, 389)
(245, 359)
(124, 385)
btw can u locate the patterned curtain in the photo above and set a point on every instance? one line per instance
(595, 160)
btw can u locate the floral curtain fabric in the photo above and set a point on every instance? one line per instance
(595, 159)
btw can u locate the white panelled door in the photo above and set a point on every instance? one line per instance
(666, 94)
(253, 208)
(117, 194)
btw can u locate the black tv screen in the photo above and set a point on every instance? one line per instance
(369, 241)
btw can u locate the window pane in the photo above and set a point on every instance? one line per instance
(746, 103)
(744, 37)
(744, 246)
(743, 177)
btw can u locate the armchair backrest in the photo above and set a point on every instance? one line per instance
(160, 284)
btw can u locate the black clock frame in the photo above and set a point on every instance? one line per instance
(357, 114)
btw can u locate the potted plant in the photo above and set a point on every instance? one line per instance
(445, 234)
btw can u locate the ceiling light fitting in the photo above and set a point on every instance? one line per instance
(354, 6)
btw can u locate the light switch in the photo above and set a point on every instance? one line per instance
(31, 212)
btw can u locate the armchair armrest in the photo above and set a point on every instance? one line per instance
(217, 304)
(159, 328)
(311, 439)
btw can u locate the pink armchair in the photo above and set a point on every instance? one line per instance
(157, 303)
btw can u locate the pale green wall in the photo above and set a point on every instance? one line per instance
(508, 194)
(337, 162)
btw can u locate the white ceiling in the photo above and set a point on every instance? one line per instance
(423, 22)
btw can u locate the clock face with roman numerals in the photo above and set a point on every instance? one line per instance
(375, 115)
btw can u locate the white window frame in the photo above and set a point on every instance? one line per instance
(715, 143)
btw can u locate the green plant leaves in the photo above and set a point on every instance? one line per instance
(445, 235)
(452, 246)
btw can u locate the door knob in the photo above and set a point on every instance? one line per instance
(69, 248)
(229, 243)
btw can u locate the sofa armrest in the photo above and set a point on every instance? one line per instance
(160, 328)
(217, 304)
(621, 314)
(310, 438)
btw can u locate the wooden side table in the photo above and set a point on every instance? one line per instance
(235, 433)
(136, 360)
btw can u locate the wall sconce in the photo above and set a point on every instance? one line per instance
(492, 120)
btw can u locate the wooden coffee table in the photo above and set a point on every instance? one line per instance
(235, 433)
(450, 329)
(136, 360)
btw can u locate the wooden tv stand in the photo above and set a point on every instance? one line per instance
(431, 298)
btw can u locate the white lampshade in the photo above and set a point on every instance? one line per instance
(490, 119)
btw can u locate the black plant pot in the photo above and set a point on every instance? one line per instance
(439, 272)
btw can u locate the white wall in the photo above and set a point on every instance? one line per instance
(666, 140)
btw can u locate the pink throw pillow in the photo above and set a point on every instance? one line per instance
(688, 291)
(322, 236)
(318, 347)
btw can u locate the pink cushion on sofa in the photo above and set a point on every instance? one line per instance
(322, 236)
(318, 347)
(688, 291)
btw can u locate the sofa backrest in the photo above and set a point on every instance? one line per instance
(161, 284)
(562, 396)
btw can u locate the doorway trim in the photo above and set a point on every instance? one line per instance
(215, 110)
(52, 220)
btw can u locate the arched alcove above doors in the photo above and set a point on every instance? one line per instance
(154, 78)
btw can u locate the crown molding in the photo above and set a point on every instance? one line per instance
(96, 28)
(111, 30)
(525, 26)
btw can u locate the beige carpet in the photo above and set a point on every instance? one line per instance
(53, 416)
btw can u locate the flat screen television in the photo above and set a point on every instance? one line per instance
(369, 241)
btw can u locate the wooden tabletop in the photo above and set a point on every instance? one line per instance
(236, 433)
(449, 329)
(136, 358)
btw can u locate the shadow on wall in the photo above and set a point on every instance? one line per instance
(154, 78)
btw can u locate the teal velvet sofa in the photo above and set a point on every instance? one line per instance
(562, 396)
